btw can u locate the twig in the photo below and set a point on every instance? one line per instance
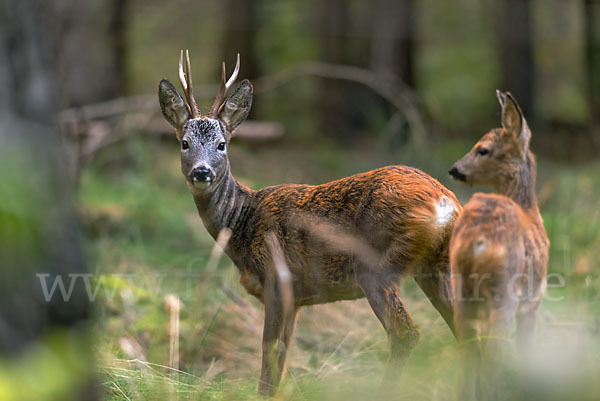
(173, 304)
(235, 297)
(210, 324)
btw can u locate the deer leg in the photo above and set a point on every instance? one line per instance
(278, 329)
(285, 338)
(437, 286)
(526, 321)
(382, 291)
(465, 321)
(494, 351)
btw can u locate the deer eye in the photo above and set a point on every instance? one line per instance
(185, 145)
(221, 146)
(482, 151)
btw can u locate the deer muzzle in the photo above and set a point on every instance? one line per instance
(202, 177)
(456, 174)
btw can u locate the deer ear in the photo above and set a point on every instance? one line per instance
(236, 108)
(172, 105)
(513, 120)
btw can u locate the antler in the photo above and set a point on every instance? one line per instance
(185, 77)
(224, 87)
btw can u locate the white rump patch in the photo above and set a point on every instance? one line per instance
(479, 246)
(445, 211)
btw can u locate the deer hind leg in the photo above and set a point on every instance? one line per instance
(278, 329)
(382, 289)
(526, 322)
(496, 344)
(466, 323)
(436, 283)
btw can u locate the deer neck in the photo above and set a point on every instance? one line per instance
(520, 185)
(223, 204)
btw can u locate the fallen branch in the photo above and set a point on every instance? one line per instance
(387, 86)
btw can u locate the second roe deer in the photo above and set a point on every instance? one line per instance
(355, 237)
(498, 251)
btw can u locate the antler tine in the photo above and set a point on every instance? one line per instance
(185, 77)
(183, 82)
(191, 99)
(235, 73)
(224, 86)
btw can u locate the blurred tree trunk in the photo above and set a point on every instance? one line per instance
(118, 40)
(241, 22)
(393, 38)
(39, 234)
(332, 23)
(27, 66)
(91, 55)
(516, 55)
(592, 53)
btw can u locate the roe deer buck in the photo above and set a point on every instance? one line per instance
(498, 251)
(350, 238)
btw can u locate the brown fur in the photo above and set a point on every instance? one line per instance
(498, 252)
(343, 240)
(346, 239)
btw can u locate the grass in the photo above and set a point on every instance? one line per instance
(145, 241)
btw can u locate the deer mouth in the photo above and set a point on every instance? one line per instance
(457, 175)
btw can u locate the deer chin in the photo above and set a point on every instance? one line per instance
(198, 187)
(201, 184)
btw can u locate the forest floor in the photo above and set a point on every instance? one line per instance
(145, 241)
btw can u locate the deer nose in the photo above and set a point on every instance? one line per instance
(202, 174)
(457, 175)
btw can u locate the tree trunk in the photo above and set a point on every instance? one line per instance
(241, 22)
(516, 55)
(39, 238)
(332, 97)
(118, 41)
(393, 39)
(592, 53)
(91, 54)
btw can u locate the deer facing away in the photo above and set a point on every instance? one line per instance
(498, 251)
(355, 237)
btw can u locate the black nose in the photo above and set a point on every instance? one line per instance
(454, 173)
(202, 174)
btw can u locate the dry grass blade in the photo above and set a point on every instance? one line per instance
(338, 238)
(217, 250)
(284, 277)
(116, 387)
(216, 254)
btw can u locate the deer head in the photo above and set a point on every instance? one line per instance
(498, 155)
(204, 139)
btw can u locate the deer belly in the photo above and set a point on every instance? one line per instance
(326, 278)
